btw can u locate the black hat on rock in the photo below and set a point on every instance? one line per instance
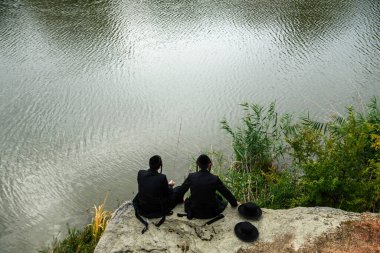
(250, 210)
(246, 232)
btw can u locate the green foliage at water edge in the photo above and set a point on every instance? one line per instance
(336, 163)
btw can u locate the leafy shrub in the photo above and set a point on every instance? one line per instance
(335, 164)
(341, 163)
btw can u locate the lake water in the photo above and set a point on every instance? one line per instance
(89, 90)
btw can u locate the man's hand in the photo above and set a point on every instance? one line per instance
(171, 183)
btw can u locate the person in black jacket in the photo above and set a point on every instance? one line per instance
(155, 197)
(204, 203)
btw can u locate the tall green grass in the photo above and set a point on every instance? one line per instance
(258, 141)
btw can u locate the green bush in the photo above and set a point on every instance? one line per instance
(340, 160)
(334, 164)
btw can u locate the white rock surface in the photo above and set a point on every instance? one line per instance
(123, 233)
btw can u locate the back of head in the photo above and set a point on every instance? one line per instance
(155, 162)
(203, 162)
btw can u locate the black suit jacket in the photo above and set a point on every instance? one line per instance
(203, 202)
(154, 193)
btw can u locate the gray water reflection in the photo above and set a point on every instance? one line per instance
(90, 89)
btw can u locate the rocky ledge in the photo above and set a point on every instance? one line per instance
(301, 229)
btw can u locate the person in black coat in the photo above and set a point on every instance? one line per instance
(204, 202)
(155, 197)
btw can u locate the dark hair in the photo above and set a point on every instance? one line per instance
(155, 162)
(203, 161)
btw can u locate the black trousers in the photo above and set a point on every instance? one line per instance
(166, 206)
(222, 204)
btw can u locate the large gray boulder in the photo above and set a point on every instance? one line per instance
(294, 228)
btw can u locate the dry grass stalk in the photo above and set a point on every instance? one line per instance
(100, 219)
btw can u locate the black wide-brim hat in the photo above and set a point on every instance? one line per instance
(246, 232)
(250, 210)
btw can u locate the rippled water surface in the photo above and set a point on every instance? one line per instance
(89, 90)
